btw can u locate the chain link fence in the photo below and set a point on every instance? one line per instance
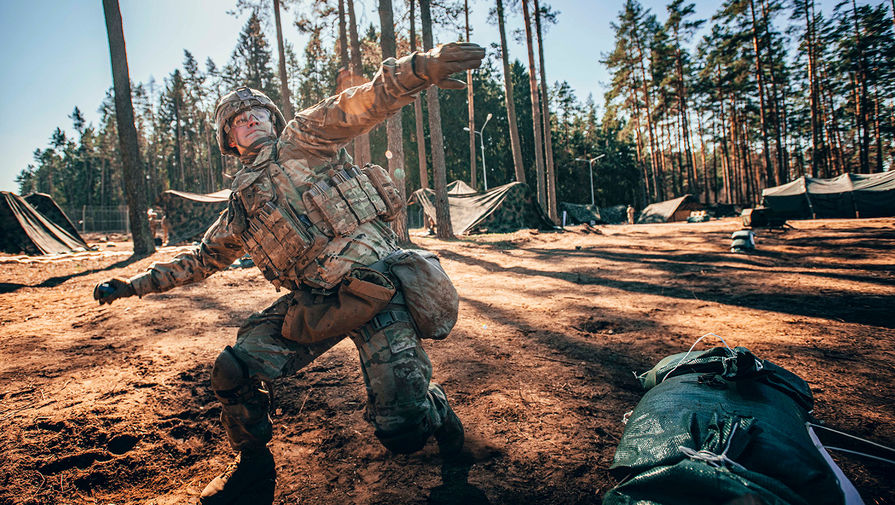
(101, 219)
(114, 219)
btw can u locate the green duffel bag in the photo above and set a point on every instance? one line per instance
(721, 426)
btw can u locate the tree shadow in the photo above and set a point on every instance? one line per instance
(846, 306)
(52, 282)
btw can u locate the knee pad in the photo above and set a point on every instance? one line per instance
(228, 376)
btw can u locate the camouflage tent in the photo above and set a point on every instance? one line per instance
(45, 204)
(25, 230)
(845, 196)
(580, 214)
(670, 211)
(502, 209)
(188, 215)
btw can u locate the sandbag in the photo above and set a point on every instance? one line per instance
(719, 426)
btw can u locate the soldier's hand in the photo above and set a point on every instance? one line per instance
(437, 65)
(112, 289)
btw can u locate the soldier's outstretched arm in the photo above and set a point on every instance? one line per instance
(219, 248)
(321, 130)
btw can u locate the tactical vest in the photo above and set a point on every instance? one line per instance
(285, 224)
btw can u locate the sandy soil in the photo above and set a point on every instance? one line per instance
(112, 404)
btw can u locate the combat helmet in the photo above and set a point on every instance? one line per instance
(237, 101)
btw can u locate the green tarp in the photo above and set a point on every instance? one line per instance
(188, 215)
(23, 229)
(845, 196)
(717, 425)
(582, 214)
(502, 209)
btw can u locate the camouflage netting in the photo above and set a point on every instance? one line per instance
(721, 426)
(502, 209)
(188, 215)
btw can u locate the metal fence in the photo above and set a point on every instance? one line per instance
(102, 219)
(114, 219)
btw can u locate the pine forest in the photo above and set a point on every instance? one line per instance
(716, 104)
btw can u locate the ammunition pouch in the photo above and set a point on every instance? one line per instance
(280, 242)
(351, 197)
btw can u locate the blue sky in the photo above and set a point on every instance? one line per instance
(55, 54)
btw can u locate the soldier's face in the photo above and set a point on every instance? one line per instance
(249, 127)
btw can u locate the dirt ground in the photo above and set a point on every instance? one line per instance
(111, 404)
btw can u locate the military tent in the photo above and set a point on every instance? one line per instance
(580, 214)
(188, 215)
(24, 229)
(670, 211)
(45, 204)
(845, 196)
(502, 209)
(459, 187)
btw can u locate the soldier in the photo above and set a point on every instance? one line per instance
(315, 224)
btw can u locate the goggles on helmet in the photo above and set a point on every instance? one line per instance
(259, 114)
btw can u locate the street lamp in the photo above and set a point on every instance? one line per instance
(482, 143)
(590, 163)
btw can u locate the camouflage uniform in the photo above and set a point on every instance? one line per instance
(403, 406)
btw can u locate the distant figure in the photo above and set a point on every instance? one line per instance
(630, 211)
(157, 222)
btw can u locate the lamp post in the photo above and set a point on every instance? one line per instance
(482, 143)
(590, 163)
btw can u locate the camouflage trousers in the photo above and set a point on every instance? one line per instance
(403, 406)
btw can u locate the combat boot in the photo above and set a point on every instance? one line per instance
(249, 479)
(450, 434)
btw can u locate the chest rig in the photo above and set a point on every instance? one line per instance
(285, 223)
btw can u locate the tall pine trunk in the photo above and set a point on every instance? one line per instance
(134, 186)
(444, 228)
(470, 111)
(418, 111)
(508, 97)
(861, 91)
(535, 109)
(762, 106)
(361, 142)
(394, 128)
(284, 83)
(658, 178)
(545, 106)
(816, 125)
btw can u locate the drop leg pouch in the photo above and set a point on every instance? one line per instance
(430, 295)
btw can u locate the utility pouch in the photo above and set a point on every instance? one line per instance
(387, 190)
(430, 296)
(347, 184)
(312, 318)
(324, 198)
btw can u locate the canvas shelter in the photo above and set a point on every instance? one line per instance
(581, 214)
(459, 187)
(23, 229)
(45, 204)
(188, 215)
(670, 211)
(845, 196)
(502, 209)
